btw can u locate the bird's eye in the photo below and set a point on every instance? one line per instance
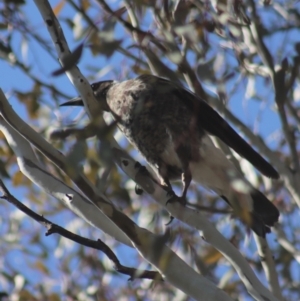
(94, 86)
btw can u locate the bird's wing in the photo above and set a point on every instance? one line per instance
(210, 121)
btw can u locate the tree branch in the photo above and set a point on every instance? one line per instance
(97, 245)
(268, 264)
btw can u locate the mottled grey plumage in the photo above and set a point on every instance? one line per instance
(170, 126)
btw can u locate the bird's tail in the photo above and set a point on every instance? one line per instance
(217, 173)
(264, 213)
(262, 216)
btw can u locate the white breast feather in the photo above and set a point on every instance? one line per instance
(212, 171)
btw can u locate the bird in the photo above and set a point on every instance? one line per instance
(173, 128)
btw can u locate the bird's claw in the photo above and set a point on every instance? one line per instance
(170, 221)
(138, 190)
(142, 169)
(174, 198)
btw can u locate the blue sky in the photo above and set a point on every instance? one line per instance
(43, 65)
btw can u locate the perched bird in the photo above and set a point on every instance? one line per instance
(171, 127)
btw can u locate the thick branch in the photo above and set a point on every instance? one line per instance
(268, 264)
(97, 245)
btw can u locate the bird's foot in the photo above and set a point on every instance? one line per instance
(142, 170)
(175, 198)
(170, 221)
(141, 167)
(138, 189)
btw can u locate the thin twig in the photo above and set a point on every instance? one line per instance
(95, 244)
(278, 80)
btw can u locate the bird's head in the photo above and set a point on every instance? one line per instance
(100, 90)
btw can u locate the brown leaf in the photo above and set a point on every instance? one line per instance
(31, 100)
(18, 178)
(107, 48)
(212, 256)
(58, 7)
(85, 5)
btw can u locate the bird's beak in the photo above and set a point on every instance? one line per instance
(77, 101)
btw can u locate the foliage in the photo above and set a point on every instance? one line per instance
(241, 56)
